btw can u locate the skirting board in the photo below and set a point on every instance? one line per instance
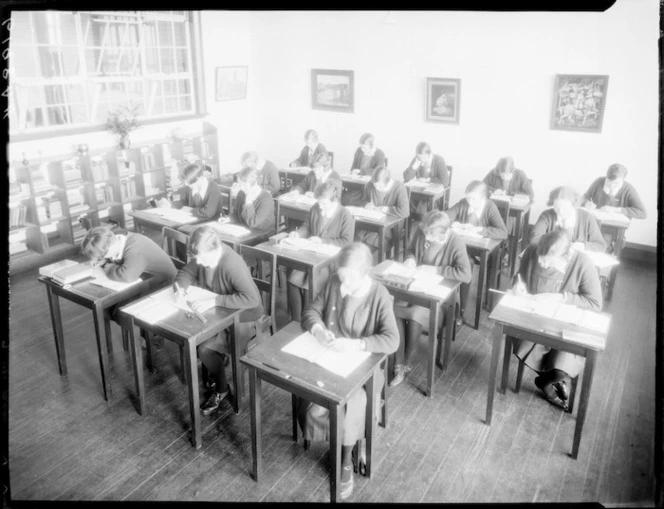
(639, 253)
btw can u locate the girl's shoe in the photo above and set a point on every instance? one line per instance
(346, 487)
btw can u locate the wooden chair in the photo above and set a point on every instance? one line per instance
(170, 240)
(504, 209)
(446, 199)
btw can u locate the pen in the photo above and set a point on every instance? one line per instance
(286, 376)
(497, 291)
(520, 280)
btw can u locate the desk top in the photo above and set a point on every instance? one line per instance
(267, 356)
(516, 207)
(576, 334)
(385, 219)
(613, 219)
(306, 257)
(484, 244)
(152, 216)
(378, 270)
(85, 291)
(299, 170)
(177, 322)
(249, 237)
(304, 203)
(355, 179)
(417, 186)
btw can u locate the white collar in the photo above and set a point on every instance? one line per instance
(615, 192)
(334, 211)
(363, 290)
(477, 212)
(202, 187)
(571, 222)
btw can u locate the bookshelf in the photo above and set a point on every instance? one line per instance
(50, 199)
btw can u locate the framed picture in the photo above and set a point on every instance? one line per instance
(578, 102)
(231, 83)
(443, 100)
(332, 90)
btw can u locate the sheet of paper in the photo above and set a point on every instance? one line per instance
(234, 230)
(113, 285)
(368, 213)
(176, 215)
(296, 243)
(152, 310)
(416, 183)
(602, 260)
(610, 216)
(568, 314)
(320, 248)
(397, 269)
(307, 347)
(595, 321)
(502, 197)
(467, 233)
(298, 198)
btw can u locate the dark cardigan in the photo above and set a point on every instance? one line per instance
(208, 207)
(438, 172)
(373, 320)
(338, 231)
(258, 215)
(626, 198)
(268, 178)
(310, 182)
(452, 260)
(492, 224)
(141, 254)
(518, 184)
(396, 198)
(303, 158)
(232, 282)
(378, 159)
(581, 280)
(586, 229)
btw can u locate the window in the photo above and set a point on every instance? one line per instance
(69, 69)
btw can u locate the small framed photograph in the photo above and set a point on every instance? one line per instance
(443, 100)
(231, 83)
(332, 90)
(578, 102)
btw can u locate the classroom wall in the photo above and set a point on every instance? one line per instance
(507, 64)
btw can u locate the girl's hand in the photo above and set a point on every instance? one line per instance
(224, 219)
(294, 235)
(201, 306)
(370, 206)
(163, 202)
(316, 240)
(590, 205)
(294, 192)
(344, 344)
(323, 336)
(309, 194)
(384, 209)
(410, 263)
(520, 289)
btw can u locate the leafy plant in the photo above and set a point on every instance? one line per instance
(123, 119)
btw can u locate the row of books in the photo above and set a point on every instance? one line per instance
(39, 177)
(99, 169)
(50, 208)
(104, 193)
(78, 232)
(147, 159)
(129, 220)
(18, 241)
(127, 188)
(125, 168)
(71, 174)
(17, 212)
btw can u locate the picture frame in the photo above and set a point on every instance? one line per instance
(231, 83)
(579, 101)
(333, 90)
(443, 100)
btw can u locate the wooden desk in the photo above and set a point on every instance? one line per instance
(314, 383)
(187, 333)
(545, 331)
(615, 227)
(434, 304)
(144, 218)
(381, 227)
(293, 176)
(354, 183)
(521, 214)
(97, 299)
(291, 210)
(430, 193)
(255, 237)
(484, 248)
(306, 261)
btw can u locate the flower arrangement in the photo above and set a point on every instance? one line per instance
(122, 121)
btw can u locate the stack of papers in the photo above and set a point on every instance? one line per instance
(368, 213)
(306, 346)
(234, 230)
(113, 285)
(300, 244)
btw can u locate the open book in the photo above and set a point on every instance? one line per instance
(297, 198)
(176, 215)
(165, 303)
(300, 244)
(429, 283)
(113, 285)
(306, 346)
(49, 270)
(362, 212)
(234, 230)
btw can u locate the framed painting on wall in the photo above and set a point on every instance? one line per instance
(443, 100)
(332, 89)
(578, 102)
(231, 83)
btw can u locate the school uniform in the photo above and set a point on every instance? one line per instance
(626, 198)
(586, 229)
(310, 182)
(268, 178)
(395, 198)
(235, 289)
(437, 173)
(257, 215)
(140, 254)
(337, 230)
(489, 219)
(367, 315)
(581, 287)
(208, 206)
(307, 156)
(518, 184)
(366, 165)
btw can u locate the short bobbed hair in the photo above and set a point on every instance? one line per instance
(323, 159)
(96, 242)
(563, 193)
(356, 255)
(367, 138)
(192, 173)
(556, 242)
(310, 133)
(616, 171)
(505, 165)
(248, 174)
(380, 174)
(435, 222)
(423, 148)
(203, 239)
(477, 186)
(329, 189)
(249, 158)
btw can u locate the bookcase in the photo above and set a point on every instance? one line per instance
(51, 199)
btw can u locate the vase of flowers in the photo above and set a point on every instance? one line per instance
(122, 121)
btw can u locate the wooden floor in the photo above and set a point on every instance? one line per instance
(67, 443)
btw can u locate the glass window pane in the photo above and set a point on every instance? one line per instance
(70, 60)
(171, 104)
(167, 60)
(91, 59)
(151, 60)
(150, 33)
(165, 33)
(180, 34)
(183, 87)
(182, 60)
(170, 87)
(23, 63)
(185, 104)
(21, 32)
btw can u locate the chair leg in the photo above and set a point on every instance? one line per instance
(182, 365)
(383, 397)
(294, 414)
(148, 350)
(519, 376)
(125, 339)
(572, 394)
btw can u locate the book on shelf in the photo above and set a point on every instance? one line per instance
(125, 167)
(128, 188)
(39, 176)
(103, 213)
(18, 235)
(17, 213)
(49, 228)
(99, 169)
(147, 159)
(78, 232)
(17, 247)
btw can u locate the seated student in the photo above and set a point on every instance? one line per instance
(552, 271)
(366, 159)
(321, 171)
(353, 312)
(506, 179)
(267, 171)
(480, 215)
(329, 223)
(216, 267)
(386, 195)
(254, 205)
(124, 257)
(436, 246)
(311, 149)
(203, 196)
(425, 165)
(581, 225)
(613, 194)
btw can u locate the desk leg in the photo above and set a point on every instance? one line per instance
(381, 245)
(514, 244)
(191, 374)
(492, 278)
(235, 359)
(370, 420)
(336, 431)
(506, 363)
(495, 351)
(309, 298)
(98, 314)
(449, 332)
(56, 322)
(433, 344)
(481, 282)
(278, 218)
(588, 370)
(255, 398)
(613, 272)
(137, 363)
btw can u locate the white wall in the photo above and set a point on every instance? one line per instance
(507, 64)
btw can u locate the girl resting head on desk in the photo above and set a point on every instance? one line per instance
(201, 195)
(352, 313)
(552, 271)
(216, 267)
(329, 223)
(434, 248)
